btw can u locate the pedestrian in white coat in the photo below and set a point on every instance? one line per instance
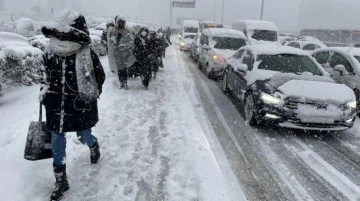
(120, 50)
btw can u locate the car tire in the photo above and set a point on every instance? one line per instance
(250, 115)
(199, 65)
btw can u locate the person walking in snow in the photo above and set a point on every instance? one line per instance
(168, 34)
(155, 47)
(165, 43)
(72, 79)
(120, 50)
(143, 55)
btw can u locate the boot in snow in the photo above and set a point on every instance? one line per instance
(61, 186)
(94, 153)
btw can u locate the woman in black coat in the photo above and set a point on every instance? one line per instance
(143, 55)
(72, 81)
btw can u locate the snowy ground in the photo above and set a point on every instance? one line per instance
(156, 145)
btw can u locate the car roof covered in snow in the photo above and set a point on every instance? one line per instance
(259, 25)
(261, 49)
(222, 32)
(190, 23)
(7, 36)
(353, 51)
(306, 42)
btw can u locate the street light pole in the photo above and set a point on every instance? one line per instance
(222, 17)
(262, 10)
(171, 14)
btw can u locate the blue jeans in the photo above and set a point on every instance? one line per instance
(58, 142)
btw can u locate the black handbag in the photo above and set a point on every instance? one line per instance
(38, 142)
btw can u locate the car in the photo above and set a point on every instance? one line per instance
(258, 31)
(307, 46)
(194, 48)
(186, 41)
(343, 64)
(284, 86)
(216, 45)
(26, 27)
(285, 39)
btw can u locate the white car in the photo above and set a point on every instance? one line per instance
(307, 45)
(216, 45)
(286, 87)
(343, 64)
(186, 41)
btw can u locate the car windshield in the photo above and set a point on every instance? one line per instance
(288, 63)
(264, 35)
(190, 36)
(191, 29)
(229, 43)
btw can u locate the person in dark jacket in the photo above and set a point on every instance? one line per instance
(168, 34)
(72, 79)
(155, 47)
(143, 55)
(164, 41)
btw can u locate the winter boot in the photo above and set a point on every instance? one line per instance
(95, 153)
(61, 186)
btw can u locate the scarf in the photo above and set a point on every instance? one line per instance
(85, 75)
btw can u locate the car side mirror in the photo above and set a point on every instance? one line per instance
(242, 68)
(341, 69)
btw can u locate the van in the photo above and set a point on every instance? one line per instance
(190, 27)
(258, 30)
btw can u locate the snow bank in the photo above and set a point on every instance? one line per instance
(7, 36)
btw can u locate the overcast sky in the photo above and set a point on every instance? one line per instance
(284, 13)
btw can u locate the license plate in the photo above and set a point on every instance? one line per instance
(324, 120)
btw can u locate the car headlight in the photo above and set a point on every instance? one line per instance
(351, 104)
(215, 57)
(269, 99)
(182, 43)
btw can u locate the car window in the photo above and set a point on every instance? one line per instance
(338, 59)
(229, 43)
(248, 60)
(322, 57)
(288, 63)
(294, 44)
(311, 47)
(265, 35)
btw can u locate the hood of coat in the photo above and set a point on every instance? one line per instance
(68, 26)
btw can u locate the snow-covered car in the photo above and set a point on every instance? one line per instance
(343, 64)
(307, 38)
(194, 48)
(25, 27)
(307, 45)
(258, 31)
(186, 41)
(284, 86)
(97, 45)
(285, 40)
(19, 61)
(216, 45)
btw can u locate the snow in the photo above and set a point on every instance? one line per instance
(260, 49)
(190, 23)
(315, 90)
(221, 32)
(7, 36)
(154, 145)
(19, 50)
(259, 25)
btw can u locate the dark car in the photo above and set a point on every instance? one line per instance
(286, 87)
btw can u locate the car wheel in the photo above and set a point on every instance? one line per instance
(225, 87)
(250, 116)
(199, 65)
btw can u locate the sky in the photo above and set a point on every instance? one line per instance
(284, 13)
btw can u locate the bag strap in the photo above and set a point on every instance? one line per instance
(40, 113)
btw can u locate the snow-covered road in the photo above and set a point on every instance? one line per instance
(156, 144)
(181, 140)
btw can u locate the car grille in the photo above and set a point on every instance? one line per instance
(293, 103)
(319, 125)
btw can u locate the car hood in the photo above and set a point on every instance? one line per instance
(317, 90)
(224, 53)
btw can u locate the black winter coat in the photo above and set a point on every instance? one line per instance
(155, 46)
(142, 50)
(65, 112)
